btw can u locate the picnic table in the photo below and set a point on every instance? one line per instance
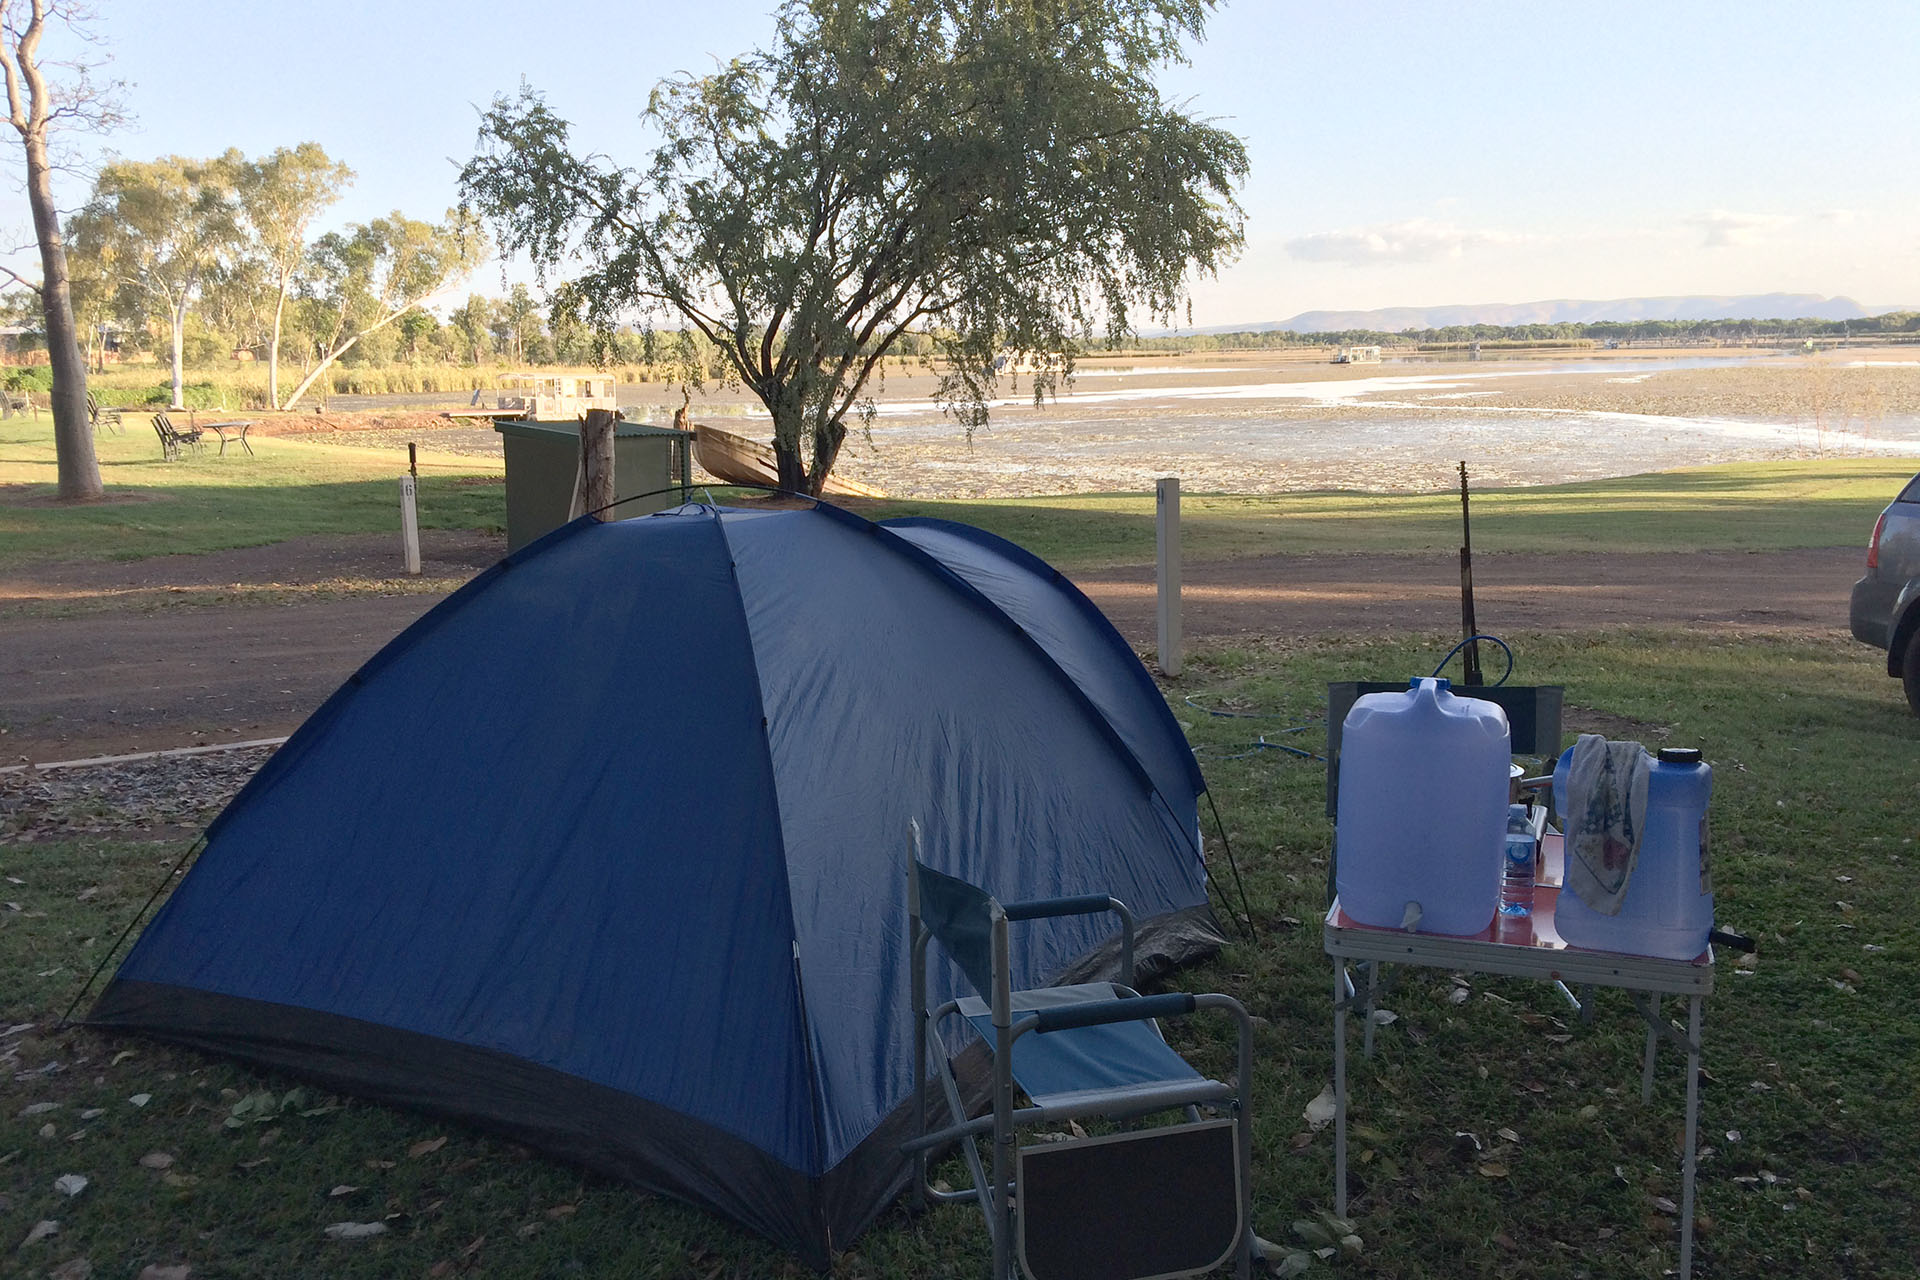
(236, 431)
(1530, 947)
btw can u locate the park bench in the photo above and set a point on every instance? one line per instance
(17, 402)
(102, 416)
(172, 439)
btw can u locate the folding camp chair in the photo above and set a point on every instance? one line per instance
(1171, 1199)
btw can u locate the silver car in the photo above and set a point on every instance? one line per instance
(1885, 612)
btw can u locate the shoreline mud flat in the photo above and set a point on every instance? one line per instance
(1248, 425)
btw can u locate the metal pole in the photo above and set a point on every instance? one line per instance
(1339, 1088)
(1694, 1016)
(1167, 540)
(1471, 656)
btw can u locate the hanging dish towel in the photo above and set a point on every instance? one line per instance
(1606, 809)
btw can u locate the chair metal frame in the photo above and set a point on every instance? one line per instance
(1068, 1008)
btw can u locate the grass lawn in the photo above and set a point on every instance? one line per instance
(1758, 506)
(1809, 1115)
(288, 486)
(311, 485)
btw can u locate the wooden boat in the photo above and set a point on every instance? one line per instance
(733, 459)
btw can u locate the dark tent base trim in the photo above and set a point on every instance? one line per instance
(591, 1125)
(560, 1115)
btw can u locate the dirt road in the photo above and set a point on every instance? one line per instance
(135, 670)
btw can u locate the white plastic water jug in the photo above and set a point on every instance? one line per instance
(1668, 908)
(1423, 810)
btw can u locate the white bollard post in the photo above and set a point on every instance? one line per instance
(409, 526)
(1167, 539)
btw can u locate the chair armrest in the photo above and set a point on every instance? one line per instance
(1085, 904)
(1096, 1013)
(1040, 908)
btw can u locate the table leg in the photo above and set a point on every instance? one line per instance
(1339, 1089)
(1694, 1018)
(1373, 988)
(245, 445)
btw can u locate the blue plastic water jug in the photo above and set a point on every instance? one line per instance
(1422, 810)
(1668, 908)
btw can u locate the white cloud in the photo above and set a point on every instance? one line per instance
(1724, 229)
(1416, 240)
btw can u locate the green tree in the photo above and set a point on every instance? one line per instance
(165, 228)
(36, 108)
(280, 195)
(473, 321)
(366, 277)
(1002, 173)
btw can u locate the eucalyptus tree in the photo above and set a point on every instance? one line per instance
(165, 228)
(364, 278)
(995, 173)
(280, 195)
(36, 109)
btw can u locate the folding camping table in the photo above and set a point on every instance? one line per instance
(1536, 952)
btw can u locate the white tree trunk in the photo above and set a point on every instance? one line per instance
(179, 317)
(273, 349)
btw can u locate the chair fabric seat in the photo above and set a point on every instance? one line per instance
(1084, 1063)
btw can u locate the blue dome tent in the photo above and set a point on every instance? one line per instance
(606, 852)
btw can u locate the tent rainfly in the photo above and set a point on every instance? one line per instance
(606, 852)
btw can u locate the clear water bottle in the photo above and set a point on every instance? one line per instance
(1516, 878)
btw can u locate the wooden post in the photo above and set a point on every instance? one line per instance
(596, 460)
(1167, 539)
(409, 526)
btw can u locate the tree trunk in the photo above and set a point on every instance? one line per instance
(826, 451)
(793, 471)
(326, 361)
(273, 349)
(77, 468)
(596, 459)
(178, 315)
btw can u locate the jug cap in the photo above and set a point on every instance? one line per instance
(1438, 682)
(1679, 755)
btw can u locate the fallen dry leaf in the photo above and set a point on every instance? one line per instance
(563, 1210)
(70, 1184)
(156, 1160)
(1319, 1112)
(175, 1271)
(355, 1230)
(1493, 1169)
(342, 1190)
(426, 1146)
(72, 1269)
(41, 1230)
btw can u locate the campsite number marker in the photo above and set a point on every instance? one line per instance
(409, 526)
(1167, 538)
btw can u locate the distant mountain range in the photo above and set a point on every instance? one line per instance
(1753, 306)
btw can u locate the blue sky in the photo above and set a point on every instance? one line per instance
(1404, 154)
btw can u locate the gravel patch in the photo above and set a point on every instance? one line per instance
(133, 797)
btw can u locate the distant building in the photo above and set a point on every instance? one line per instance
(1357, 355)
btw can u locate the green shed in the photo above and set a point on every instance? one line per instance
(543, 460)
